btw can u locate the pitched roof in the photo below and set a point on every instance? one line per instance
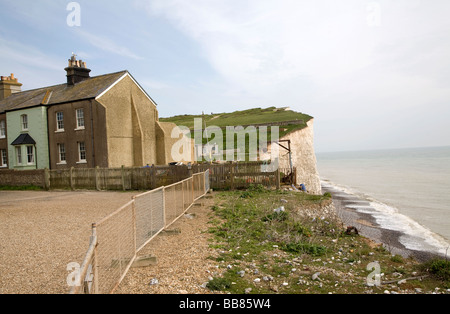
(24, 139)
(57, 94)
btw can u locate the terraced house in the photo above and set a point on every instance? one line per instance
(107, 121)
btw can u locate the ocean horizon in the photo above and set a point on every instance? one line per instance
(408, 190)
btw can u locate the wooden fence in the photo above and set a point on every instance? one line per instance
(147, 178)
(241, 175)
(228, 176)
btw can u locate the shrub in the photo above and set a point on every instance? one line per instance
(219, 284)
(301, 230)
(440, 268)
(397, 259)
(311, 249)
(276, 216)
(258, 188)
(327, 195)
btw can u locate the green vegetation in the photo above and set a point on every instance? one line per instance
(288, 242)
(243, 118)
(20, 188)
(251, 117)
(440, 269)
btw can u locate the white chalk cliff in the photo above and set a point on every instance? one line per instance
(303, 157)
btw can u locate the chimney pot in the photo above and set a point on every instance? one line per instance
(9, 85)
(76, 71)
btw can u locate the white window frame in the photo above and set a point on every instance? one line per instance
(61, 153)
(3, 158)
(80, 118)
(2, 129)
(81, 151)
(60, 128)
(19, 155)
(33, 158)
(24, 122)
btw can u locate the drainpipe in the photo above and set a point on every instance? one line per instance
(35, 156)
(92, 135)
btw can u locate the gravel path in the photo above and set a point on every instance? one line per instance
(42, 232)
(184, 260)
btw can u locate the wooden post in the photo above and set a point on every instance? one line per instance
(123, 178)
(95, 266)
(47, 179)
(153, 178)
(232, 177)
(277, 178)
(71, 179)
(97, 183)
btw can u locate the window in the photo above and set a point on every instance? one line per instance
(80, 118)
(3, 158)
(2, 129)
(19, 155)
(24, 121)
(82, 151)
(62, 153)
(30, 155)
(60, 121)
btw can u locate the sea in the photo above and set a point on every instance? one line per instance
(408, 191)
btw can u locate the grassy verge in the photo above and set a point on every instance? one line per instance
(304, 249)
(20, 188)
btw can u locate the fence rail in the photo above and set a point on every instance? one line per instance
(222, 177)
(240, 175)
(117, 238)
(147, 178)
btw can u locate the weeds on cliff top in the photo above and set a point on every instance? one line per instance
(252, 222)
(440, 268)
(250, 235)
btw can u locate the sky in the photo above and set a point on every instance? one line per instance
(373, 74)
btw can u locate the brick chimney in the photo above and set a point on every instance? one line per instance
(76, 71)
(9, 85)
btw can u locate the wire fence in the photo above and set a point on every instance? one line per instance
(117, 239)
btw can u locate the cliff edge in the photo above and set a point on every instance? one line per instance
(303, 157)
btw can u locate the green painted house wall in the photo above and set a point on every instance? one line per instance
(37, 129)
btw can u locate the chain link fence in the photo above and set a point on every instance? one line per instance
(117, 238)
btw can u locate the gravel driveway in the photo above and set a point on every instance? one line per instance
(42, 232)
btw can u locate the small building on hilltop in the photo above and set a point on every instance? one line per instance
(107, 121)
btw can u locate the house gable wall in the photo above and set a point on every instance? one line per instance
(130, 125)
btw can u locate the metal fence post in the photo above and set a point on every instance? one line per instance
(133, 206)
(164, 207)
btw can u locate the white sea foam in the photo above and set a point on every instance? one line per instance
(415, 236)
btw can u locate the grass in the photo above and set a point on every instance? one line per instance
(282, 251)
(21, 188)
(242, 118)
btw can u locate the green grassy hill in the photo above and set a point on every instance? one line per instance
(287, 120)
(255, 116)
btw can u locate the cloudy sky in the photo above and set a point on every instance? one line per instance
(374, 74)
